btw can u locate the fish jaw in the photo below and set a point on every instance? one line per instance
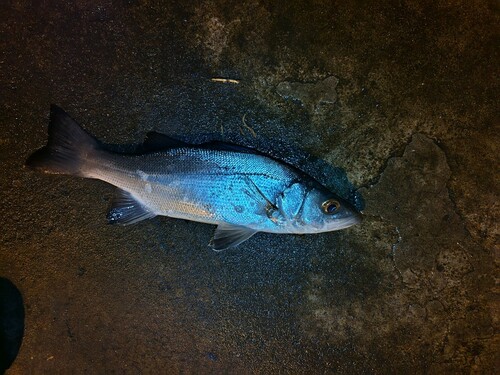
(343, 223)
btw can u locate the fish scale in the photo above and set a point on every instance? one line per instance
(209, 186)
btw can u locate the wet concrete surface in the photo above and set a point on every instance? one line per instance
(402, 96)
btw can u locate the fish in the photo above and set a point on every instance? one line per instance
(241, 190)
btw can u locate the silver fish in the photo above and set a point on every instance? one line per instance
(240, 190)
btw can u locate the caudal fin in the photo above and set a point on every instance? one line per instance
(68, 147)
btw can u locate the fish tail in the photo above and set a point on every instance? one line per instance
(68, 148)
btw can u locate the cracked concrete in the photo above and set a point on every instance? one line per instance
(409, 114)
(425, 292)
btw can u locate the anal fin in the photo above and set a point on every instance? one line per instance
(227, 235)
(126, 210)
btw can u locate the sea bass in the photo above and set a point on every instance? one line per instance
(236, 188)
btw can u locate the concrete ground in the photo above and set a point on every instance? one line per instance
(401, 95)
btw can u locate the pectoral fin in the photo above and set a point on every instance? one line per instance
(227, 235)
(126, 210)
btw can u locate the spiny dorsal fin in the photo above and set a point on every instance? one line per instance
(155, 141)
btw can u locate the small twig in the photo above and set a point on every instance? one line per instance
(248, 127)
(225, 80)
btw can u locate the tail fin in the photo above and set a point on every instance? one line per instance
(67, 149)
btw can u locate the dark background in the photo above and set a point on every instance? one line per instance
(402, 95)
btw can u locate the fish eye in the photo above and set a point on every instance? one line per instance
(331, 206)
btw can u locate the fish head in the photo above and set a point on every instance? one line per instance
(319, 210)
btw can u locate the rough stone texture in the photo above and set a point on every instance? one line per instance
(419, 294)
(413, 121)
(312, 95)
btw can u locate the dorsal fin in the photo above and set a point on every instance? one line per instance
(225, 146)
(155, 141)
